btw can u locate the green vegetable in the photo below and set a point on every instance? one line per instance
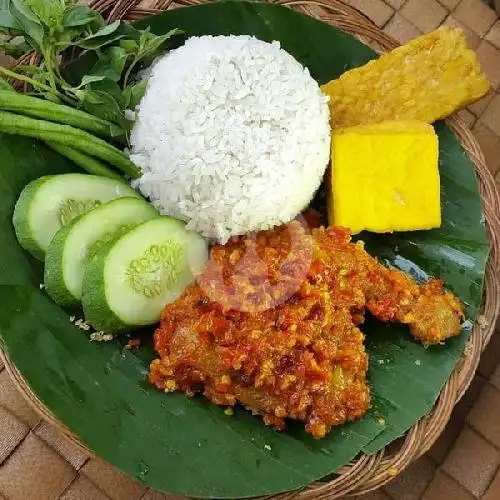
(110, 64)
(67, 136)
(148, 46)
(52, 26)
(28, 23)
(40, 108)
(8, 24)
(80, 15)
(107, 34)
(103, 97)
(88, 163)
(38, 80)
(134, 93)
(52, 201)
(78, 241)
(129, 281)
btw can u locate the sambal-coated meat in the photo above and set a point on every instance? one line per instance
(272, 323)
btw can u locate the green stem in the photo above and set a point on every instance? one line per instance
(129, 72)
(24, 78)
(47, 57)
(34, 83)
(62, 80)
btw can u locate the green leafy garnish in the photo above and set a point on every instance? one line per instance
(52, 26)
(148, 46)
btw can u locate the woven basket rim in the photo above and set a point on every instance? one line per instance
(367, 472)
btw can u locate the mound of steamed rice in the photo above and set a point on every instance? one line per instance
(232, 135)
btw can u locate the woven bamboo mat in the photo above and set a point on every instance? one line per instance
(37, 462)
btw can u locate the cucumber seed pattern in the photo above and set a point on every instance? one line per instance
(157, 270)
(107, 237)
(71, 208)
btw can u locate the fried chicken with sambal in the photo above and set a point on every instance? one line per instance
(272, 323)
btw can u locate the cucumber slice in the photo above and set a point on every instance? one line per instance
(131, 279)
(50, 202)
(74, 243)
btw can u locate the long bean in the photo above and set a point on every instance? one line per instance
(11, 123)
(87, 163)
(59, 113)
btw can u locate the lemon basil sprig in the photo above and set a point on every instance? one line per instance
(52, 27)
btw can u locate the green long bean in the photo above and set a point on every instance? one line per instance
(66, 135)
(59, 113)
(87, 163)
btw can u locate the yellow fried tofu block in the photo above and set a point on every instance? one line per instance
(426, 79)
(385, 177)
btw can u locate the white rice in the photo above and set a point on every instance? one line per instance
(232, 135)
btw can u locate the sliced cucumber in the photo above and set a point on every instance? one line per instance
(131, 279)
(74, 243)
(50, 202)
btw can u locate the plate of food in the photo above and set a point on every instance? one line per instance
(243, 252)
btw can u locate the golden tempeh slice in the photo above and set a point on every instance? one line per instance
(426, 79)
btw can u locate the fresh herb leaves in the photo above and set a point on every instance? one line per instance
(111, 63)
(52, 26)
(80, 15)
(147, 48)
(133, 94)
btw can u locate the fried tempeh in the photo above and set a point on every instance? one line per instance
(426, 79)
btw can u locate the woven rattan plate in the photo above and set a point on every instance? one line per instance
(367, 472)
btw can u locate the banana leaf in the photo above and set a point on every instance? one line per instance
(188, 446)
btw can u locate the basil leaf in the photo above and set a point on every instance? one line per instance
(133, 94)
(104, 106)
(104, 99)
(130, 46)
(154, 42)
(28, 22)
(79, 15)
(118, 59)
(144, 38)
(47, 12)
(108, 86)
(106, 35)
(111, 63)
(65, 38)
(86, 80)
(8, 23)
(107, 30)
(25, 10)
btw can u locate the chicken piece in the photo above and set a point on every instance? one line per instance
(273, 320)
